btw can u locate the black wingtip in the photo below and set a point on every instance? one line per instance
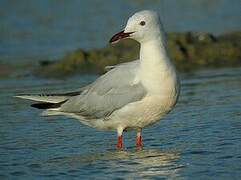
(47, 105)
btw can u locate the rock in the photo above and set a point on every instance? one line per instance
(189, 51)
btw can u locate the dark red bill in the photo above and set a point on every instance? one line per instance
(119, 36)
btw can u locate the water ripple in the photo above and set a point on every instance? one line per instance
(200, 138)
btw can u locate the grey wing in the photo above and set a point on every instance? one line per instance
(52, 98)
(108, 93)
(132, 64)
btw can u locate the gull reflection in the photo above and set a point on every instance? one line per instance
(126, 164)
(146, 163)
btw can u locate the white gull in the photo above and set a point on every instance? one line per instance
(130, 95)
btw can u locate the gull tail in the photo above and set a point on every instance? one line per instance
(48, 98)
(49, 101)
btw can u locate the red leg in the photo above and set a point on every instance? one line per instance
(139, 140)
(119, 142)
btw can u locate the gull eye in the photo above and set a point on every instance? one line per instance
(142, 23)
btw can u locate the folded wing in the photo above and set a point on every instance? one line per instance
(115, 89)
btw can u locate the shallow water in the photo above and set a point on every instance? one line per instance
(33, 30)
(199, 139)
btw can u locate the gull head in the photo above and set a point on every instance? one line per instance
(142, 26)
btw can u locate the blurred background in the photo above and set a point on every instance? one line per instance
(33, 29)
(51, 46)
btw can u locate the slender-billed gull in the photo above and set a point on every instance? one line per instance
(130, 95)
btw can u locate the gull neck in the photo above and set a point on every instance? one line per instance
(153, 54)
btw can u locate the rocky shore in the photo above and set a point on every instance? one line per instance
(189, 51)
